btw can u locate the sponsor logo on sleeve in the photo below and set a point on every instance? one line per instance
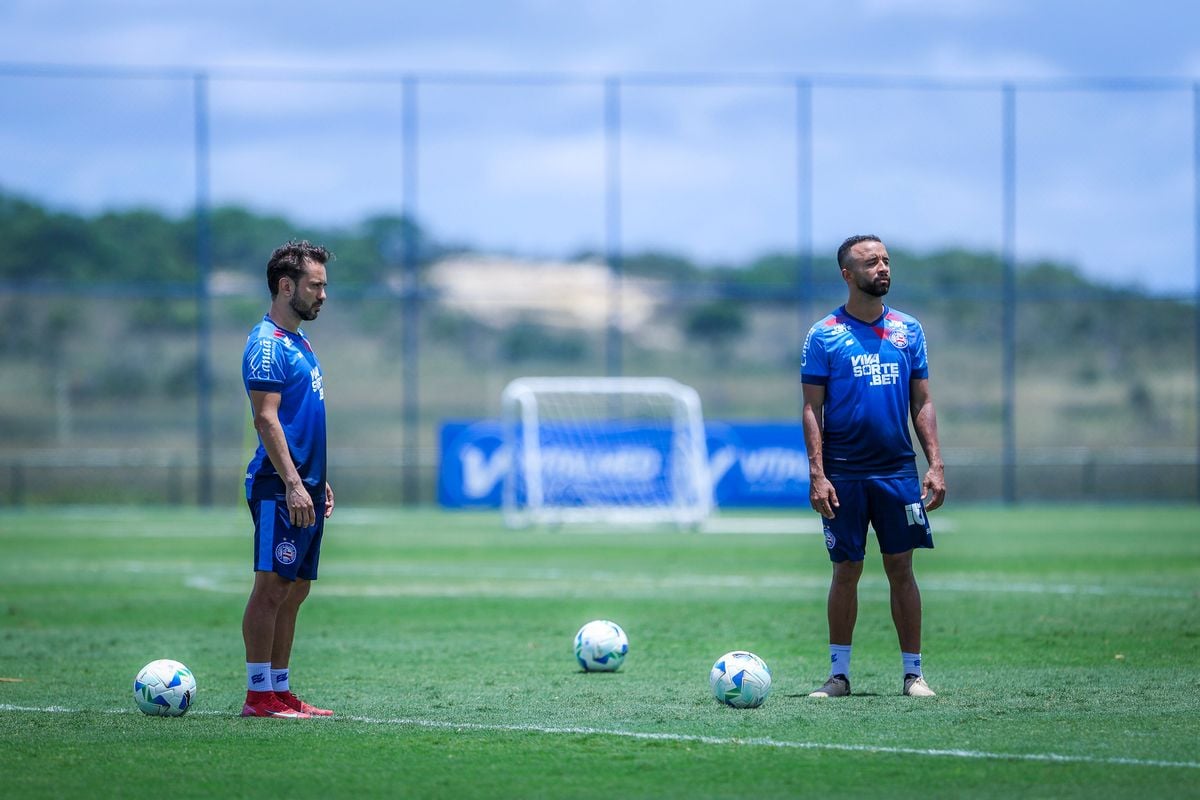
(260, 367)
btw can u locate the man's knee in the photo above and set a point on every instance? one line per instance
(847, 573)
(299, 591)
(270, 589)
(898, 567)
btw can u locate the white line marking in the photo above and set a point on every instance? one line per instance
(804, 523)
(448, 581)
(798, 526)
(1057, 758)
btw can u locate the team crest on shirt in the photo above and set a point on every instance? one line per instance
(897, 333)
(285, 552)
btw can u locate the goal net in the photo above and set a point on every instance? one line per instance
(609, 450)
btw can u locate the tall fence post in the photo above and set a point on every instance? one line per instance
(1196, 255)
(204, 426)
(1009, 315)
(612, 238)
(805, 305)
(410, 301)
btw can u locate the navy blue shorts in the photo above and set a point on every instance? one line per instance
(892, 506)
(281, 548)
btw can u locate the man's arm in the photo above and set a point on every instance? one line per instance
(266, 421)
(924, 420)
(821, 493)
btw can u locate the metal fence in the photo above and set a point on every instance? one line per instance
(110, 401)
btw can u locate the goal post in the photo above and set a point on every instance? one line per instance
(604, 450)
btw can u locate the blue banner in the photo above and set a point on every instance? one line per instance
(753, 464)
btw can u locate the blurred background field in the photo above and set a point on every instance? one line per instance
(103, 354)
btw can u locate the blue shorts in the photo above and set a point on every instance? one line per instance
(281, 548)
(892, 506)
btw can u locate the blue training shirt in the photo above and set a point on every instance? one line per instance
(866, 369)
(277, 360)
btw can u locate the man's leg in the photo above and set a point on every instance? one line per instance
(270, 593)
(906, 600)
(267, 598)
(842, 606)
(842, 612)
(285, 624)
(906, 614)
(281, 650)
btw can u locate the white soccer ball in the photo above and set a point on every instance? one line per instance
(164, 688)
(740, 679)
(601, 646)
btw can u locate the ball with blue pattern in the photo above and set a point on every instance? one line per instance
(740, 679)
(601, 646)
(164, 688)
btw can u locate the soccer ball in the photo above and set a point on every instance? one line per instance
(600, 646)
(740, 679)
(164, 688)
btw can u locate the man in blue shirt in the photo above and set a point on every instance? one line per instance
(286, 484)
(865, 373)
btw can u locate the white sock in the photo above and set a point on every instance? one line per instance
(258, 677)
(912, 663)
(839, 660)
(279, 680)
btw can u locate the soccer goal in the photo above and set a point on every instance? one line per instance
(604, 450)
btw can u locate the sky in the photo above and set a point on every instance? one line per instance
(1105, 180)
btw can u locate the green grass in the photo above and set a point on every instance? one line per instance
(1063, 642)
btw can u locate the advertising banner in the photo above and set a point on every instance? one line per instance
(753, 464)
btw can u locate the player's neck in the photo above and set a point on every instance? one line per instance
(284, 317)
(865, 308)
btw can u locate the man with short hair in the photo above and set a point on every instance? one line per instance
(865, 373)
(286, 484)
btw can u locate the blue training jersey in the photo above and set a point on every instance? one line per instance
(866, 369)
(277, 360)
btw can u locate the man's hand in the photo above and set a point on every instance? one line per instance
(933, 489)
(300, 507)
(823, 497)
(328, 501)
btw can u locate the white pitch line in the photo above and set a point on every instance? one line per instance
(720, 741)
(449, 582)
(793, 526)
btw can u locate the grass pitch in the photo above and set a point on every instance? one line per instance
(1064, 644)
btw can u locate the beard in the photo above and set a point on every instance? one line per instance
(876, 288)
(306, 312)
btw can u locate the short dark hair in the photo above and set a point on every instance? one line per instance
(844, 250)
(288, 259)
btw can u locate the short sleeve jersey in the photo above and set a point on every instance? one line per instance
(866, 369)
(277, 360)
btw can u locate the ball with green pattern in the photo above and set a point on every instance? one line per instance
(740, 679)
(164, 688)
(601, 646)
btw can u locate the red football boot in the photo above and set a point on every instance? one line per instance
(296, 704)
(268, 704)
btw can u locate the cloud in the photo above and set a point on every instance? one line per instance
(707, 171)
(938, 9)
(955, 60)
